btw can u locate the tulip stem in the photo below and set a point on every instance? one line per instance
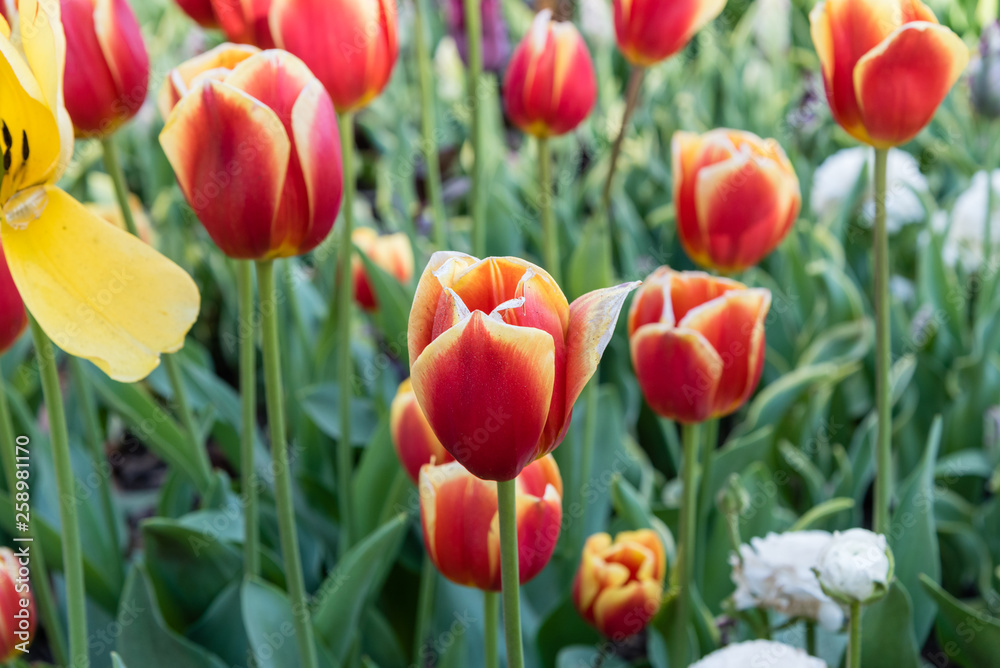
(427, 123)
(346, 299)
(680, 650)
(811, 637)
(710, 435)
(114, 167)
(631, 102)
(425, 608)
(248, 400)
(76, 595)
(474, 34)
(281, 468)
(491, 620)
(883, 351)
(187, 418)
(550, 240)
(510, 578)
(854, 640)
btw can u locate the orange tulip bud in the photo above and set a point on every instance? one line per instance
(619, 585)
(736, 196)
(351, 45)
(550, 87)
(17, 606)
(649, 31)
(414, 440)
(13, 318)
(391, 252)
(498, 357)
(201, 11)
(245, 21)
(887, 66)
(697, 343)
(461, 524)
(256, 152)
(107, 67)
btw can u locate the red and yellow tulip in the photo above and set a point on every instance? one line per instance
(245, 21)
(619, 585)
(256, 151)
(498, 357)
(414, 440)
(391, 252)
(736, 196)
(97, 292)
(17, 606)
(462, 526)
(649, 31)
(351, 45)
(697, 343)
(215, 64)
(550, 87)
(201, 11)
(887, 66)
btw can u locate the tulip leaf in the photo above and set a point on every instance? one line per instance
(563, 626)
(221, 629)
(369, 484)
(822, 511)
(590, 266)
(270, 626)
(887, 631)
(631, 508)
(320, 402)
(738, 453)
(969, 636)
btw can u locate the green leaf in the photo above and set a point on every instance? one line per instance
(564, 626)
(636, 514)
(320, 402)
(221, 629)
(370, 482)
(822, 511)
(590, 266)
(116, 661)
(270, 626)
(393, 313)
(773, 402)
(887, 631)
(970, 636)
(738, 453)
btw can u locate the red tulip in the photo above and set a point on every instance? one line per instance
(215, 64)
(201, 11)
(107, 67)
(17, 606)
(13, 318)
(498, 357)
(736, 196)
(245, 21)
(697, 343)
(391, 252)
(414, 440)
(887, 66)
(257, 155)
(351, 45)
(649, 31)
(459, 515)
(550, 87)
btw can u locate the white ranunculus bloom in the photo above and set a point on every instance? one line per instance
(855, 566)
(835, 178)
(964, 242)
(776, 573)
(759, 653)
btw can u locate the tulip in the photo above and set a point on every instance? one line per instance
(498, 357)
(619, 585)
(201, 11)
(458, 512)
(414, 440)
(649, 31)
(17, 607)
(351, 45)
(245, 21)
(215, 64)
(984, 74)
(107, 67)
(257, 154)
(550, 87)
(13, 319)
(736, 196)
(391, 252)
(886, 65)
(697, 343)
(496, 46)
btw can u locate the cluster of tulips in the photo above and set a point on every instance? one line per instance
(259, 133)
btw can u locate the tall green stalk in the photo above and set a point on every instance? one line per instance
(883, 351)
(854, 639)
(550, 239)
(474, 35)
(631, 102)
(282, 471)
(680, 652)
(248, 400)
(509, 575)
(491, 620)
(76, 595)
(114, 166)
(427, 125)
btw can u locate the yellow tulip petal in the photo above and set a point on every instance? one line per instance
(98, 292)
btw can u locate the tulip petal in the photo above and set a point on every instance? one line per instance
(214, 64)
(13, 318)
(317, 142)
(98, 292)
(621, 612)
(901, 82)
(412, 437)
(485, 387)
(438, 274)
(538, 523)
(124, 52)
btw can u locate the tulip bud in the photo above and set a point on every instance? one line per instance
(459, 514)
(697, 343)
(107, 67)
(350, 45)
(550, 87)
(414, 440)
(215, 64)
(856, 567)
(736, 195)
(201, 11)
(245, 21)
(391, 252)
(13, 318)
(619, 585)
(887, 66)
(495, 45)
(17, 607)
(984, 73)
(649, 31)
(257, 154)
(498, 357)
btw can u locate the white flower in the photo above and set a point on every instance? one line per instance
(836, 177)
(754, 653)
(855, 566)
(772, 27)
(596, 21)
(966, 231)
(777, 573)
(449, 70)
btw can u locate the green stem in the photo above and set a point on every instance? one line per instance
(883, 350)
(854, 641)
(473, 32)
(550, 240)
(710, 435)
(47, 609)
(680, 652)
(811, 637)
(76, 595)
(509, 576)
(114, 167)
(425, 608)
(491, 620)
(183, 409)
(248, 399)
(346, 300)
(631, 102)
(427, 125)
(282, 472)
